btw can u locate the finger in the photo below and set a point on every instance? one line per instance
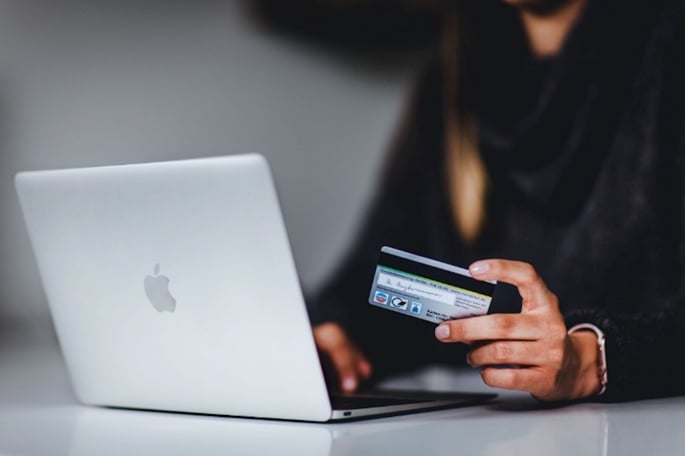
(348, 364)
(507, 352)
(491, 327)
(364, 366)
(530, 286)
(523, 379)
(344, 363)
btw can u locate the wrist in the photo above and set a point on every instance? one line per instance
(588, 381)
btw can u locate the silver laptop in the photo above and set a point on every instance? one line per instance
(172, 287)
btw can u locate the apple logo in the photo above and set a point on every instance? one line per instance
(157, 291)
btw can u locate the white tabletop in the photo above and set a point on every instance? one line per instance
(39, 415)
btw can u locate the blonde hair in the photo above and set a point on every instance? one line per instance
(467, 179)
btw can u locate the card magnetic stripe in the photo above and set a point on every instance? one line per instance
(437, 274)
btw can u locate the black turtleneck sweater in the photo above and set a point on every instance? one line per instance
(585, 155)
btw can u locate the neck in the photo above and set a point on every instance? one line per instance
(547, 28)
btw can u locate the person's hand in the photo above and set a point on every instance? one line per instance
(530, 351)
(341, 356)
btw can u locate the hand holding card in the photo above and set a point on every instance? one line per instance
(531, 351)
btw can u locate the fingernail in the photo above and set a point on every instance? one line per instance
(442, 332)
(479, 267)
(468, 359)
(349, 384)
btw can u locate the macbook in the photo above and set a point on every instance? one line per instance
(172, 287)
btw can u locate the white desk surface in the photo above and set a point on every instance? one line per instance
(39, 415)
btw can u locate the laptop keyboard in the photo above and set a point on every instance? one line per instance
(361, 402)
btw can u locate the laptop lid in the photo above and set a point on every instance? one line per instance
(172, 287)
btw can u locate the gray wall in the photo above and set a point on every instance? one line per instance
(94, 83)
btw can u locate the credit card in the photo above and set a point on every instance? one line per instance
(427, 289)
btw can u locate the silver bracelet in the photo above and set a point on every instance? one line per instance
(601, 344)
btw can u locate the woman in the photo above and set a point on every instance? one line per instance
(544, 148)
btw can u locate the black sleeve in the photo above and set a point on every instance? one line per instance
(349, 285)
(645, 350)
(388, 220)
(393, 343)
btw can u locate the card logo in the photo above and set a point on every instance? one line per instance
(380, 297)
(415, 307)
(399, 303)
(157, 291)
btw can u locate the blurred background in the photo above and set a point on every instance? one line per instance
(317, 87)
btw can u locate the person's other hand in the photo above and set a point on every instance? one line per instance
(340, 355)
(530, 351)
